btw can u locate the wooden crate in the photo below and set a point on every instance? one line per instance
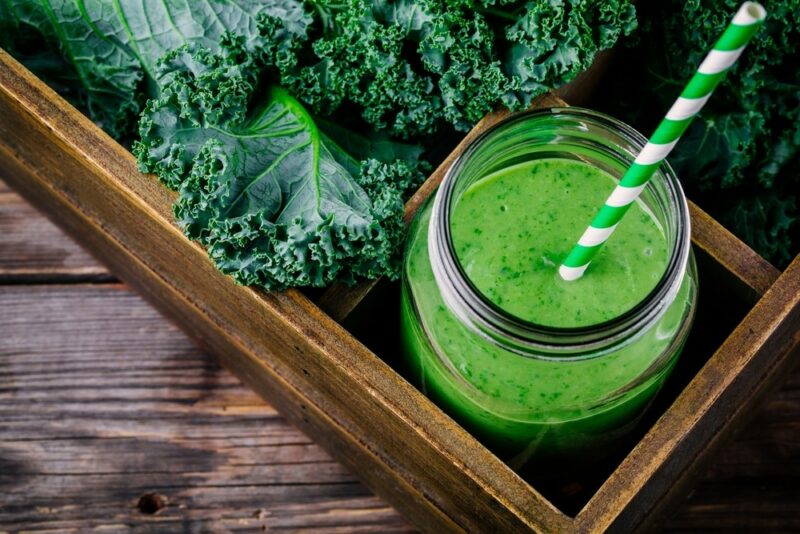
(329, 384)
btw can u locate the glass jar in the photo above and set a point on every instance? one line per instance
(530, 391)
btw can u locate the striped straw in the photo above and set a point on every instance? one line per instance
(711, 71)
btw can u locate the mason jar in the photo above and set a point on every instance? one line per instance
(533, 391)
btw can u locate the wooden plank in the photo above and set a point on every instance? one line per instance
(280, 344)
(752, 274)
(753, 483)
(34, 249)
(738, 376)
(111, 403)
(732, 508)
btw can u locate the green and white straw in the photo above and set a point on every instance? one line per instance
(711, 71)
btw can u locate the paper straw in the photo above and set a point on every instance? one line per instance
(711, 71)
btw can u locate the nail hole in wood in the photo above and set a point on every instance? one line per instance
(151, 503)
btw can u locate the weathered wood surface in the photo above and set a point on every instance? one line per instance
(33, 248)
(110, 403)
(102, 402)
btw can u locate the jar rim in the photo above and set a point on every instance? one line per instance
(521, 335)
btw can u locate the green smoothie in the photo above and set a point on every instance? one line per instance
(510, 229)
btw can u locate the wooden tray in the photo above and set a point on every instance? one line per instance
(329, 384)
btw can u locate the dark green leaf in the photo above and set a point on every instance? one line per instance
(260, 185)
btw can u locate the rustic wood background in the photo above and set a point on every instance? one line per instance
(111, 419)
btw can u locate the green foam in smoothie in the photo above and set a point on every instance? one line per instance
(512, 228)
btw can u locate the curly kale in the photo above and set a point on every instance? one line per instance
(280, 197)
(459, 49)
(412, 66)
(276, 202)
(555, 40)
(109, 50)
(360, 60)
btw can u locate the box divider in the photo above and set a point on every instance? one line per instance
(715, 403)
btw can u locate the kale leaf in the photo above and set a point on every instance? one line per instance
(109, 49)
(557, 39)
(408, 67)
(274, 199)
(412, 66)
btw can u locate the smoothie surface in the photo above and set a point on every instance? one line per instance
(512, 228)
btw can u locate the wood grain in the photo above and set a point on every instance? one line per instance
(136, 398)
(753, 484)
(35, 249)
(750, 275)
(110, 402)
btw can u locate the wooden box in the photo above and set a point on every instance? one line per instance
(298, 355)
